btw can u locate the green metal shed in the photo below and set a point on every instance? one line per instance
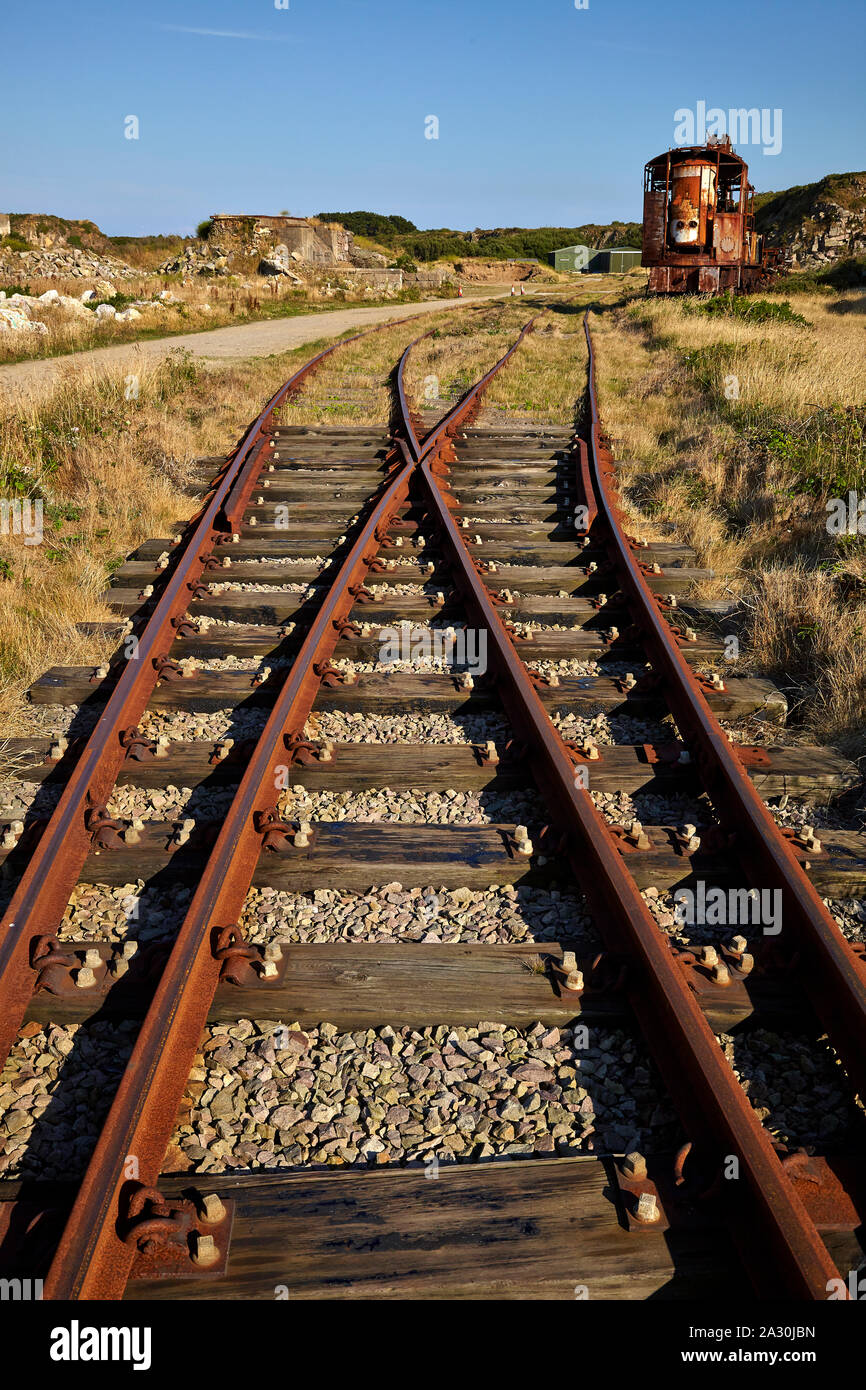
(571, 259)
(613, 260)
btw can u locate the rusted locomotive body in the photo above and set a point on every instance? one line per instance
(699, 224)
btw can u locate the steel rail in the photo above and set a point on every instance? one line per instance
(405, 416)
(55, 865)
(441, 436)
(92, 1259)
(831, 974)
(789, 1258)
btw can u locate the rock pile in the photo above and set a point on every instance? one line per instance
(269, 1095)
(62, 264)
(16, 311)
(279, 261)
(201, 259)
(15, 317)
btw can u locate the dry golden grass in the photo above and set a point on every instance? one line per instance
(745, 481)
(111, 473)
(799, 630)
(781, 365)
(445, 365)
(545, 380)
(354, 385)
(542, 381)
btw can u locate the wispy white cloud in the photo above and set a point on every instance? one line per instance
(226, 33)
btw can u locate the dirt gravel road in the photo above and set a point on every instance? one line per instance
(245, 340)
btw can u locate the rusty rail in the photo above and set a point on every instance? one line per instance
(786, 1255)
(96, 1251)
(40, 899)
(97, 1248)
(828, 970)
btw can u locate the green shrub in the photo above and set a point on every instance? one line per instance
(826, 450)
(378, 226)
(744, 307)
(117, 301)
(849, 274)
(15, 243)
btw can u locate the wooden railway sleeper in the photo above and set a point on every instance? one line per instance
(667, 753)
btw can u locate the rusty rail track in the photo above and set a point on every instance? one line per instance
(39, 902)
(118, 1219)
(783, 1246)
(828, 969)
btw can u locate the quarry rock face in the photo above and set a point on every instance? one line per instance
(834, 233)
(821, 223)
(281, 245)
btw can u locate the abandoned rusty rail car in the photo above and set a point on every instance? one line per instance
(699, 234)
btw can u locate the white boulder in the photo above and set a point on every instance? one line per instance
(13, 320)
(73, 306)
(105, 311)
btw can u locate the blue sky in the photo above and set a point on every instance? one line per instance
(546, 113)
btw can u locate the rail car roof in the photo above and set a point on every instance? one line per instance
(726, 155)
